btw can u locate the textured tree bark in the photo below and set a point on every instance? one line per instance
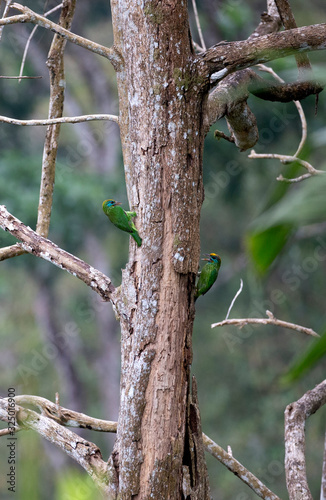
(161, 108)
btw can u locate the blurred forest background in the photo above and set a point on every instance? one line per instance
(56, 335)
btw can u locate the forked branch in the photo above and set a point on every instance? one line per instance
(68, 418)
(29, 16)
(270, 320)
(85, 453)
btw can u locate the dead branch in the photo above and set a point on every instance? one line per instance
(85, 453)
(11, 251)
(286, 158)
(271, 320)
(69, 418)
(63, 119)
(238, 469)
(35, 244)
(229, 99)
(46, 14)
(30, 16)
(200, 33)
(287, 17)
(221, 60)
(66, 417)
(289, 159)
(298, 105)
(5, 11)
(20, 77)
(55, 64)
(296, 415)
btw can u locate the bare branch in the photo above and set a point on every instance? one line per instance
(297, 104)
(66, 417)
(20, 77)
(63, 119)
(234, 299)
(223, 59)
(5, 11)
(71, 418)
(19, 18)
(85, 453)
(41, 247)
(289, 159)
(200, 33)
(57, 7)
(271, 320)
(296, 415)
(238, 469)
(270, 23)
(11, 251)
(287, 17)
(30, 16)
(272, 9)
(286, 158)
(55, 64)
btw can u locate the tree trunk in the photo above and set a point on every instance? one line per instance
(161, 101)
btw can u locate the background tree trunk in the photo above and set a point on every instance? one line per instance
(161, 110)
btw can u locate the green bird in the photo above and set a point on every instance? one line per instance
(208, 274)
(121, 218)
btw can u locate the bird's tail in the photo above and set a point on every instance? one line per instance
(137, 238)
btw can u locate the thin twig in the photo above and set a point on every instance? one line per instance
(21, 77)
(234, 299)
(271, 320)
(63, 119)
(286, 158)
(28, 15)
(55, 64)
(5, 10)
(200, 33)
(297, 104)
(5, 432)
(31, 36)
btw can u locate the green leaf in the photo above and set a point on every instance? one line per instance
(307, 361)
(265, 246)
(305, 204)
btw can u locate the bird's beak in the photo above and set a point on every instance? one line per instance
(118, 203)
(205, 259)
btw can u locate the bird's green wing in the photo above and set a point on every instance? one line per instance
(119, 218)
(130, 214)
